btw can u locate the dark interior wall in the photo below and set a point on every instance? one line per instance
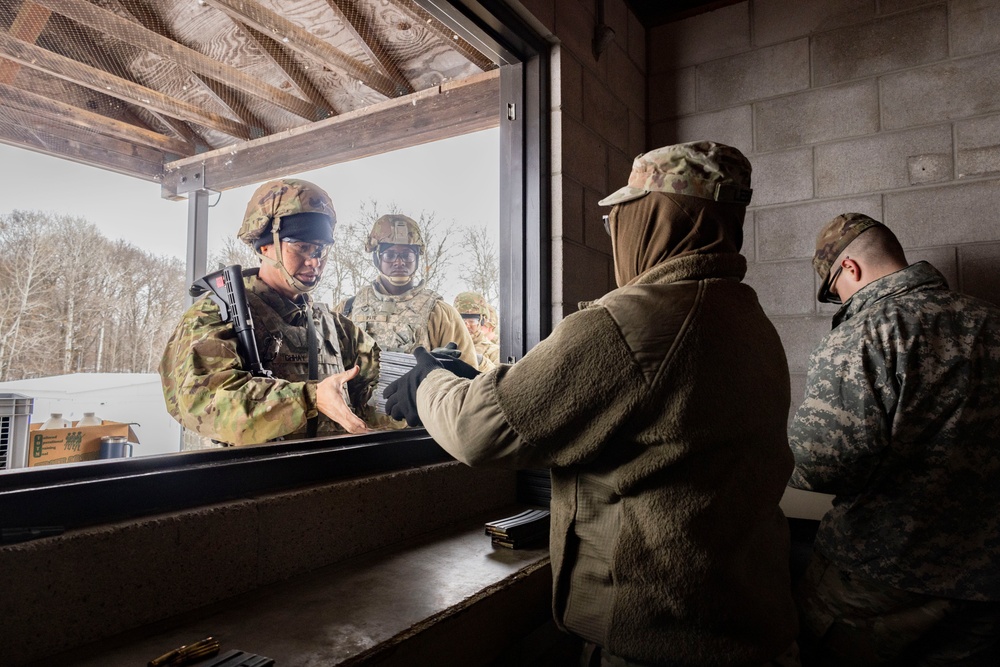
(889, 108)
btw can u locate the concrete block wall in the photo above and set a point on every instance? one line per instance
(598, 121)
(887, 107)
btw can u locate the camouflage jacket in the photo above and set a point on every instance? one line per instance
(487, 352)
(207, 390)
(901, 421)
(418, 317)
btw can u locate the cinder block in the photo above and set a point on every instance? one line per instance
(893, 6)
(956, 89)
(584, 155)
(767, 72)
(616, 17)
(784, 288)
(575, 30)
(780, 20)
(782, 177)
(789, 232)
(800, 336)
(949, 215)
(944, 260)
(895, 42)
(672, 93)
(701, 38)
(626, 81)
(733, 127)
(570, 220)
(603, 112)
(636, 41)
(798, 382)
(587, 275)
(593, 222)
(980, 271)
(978, 146)
(636, 135)
(619, 168)
(570, 84)
(974, 26)
(749, 247)
(878, 162)
(817, 115)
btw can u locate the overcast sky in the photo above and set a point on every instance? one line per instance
(457, 179)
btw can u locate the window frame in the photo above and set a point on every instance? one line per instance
(75, 496)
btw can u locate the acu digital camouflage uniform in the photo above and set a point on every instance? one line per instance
(487, 352)
(901, 421)
(205, 385)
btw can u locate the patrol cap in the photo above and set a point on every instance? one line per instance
(832, 240)
(703, 169)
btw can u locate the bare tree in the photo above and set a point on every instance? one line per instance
(233, 251)
(481, 266)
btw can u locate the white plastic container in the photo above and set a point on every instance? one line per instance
(90, 419)
(55, 421)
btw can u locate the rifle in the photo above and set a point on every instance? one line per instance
(225, 289)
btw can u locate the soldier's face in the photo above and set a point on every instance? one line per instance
(473, 323)
(398, 261)
(306, 269)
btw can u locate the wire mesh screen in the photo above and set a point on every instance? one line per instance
(136, 81)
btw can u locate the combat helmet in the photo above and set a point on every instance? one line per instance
(287, 207)
(471, 303)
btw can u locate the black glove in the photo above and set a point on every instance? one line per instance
(401, 395)
(450, 358)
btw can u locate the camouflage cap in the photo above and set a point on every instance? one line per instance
(395, 229)
(277, 199)
(700, 169)
(833, 239)
(471, 303)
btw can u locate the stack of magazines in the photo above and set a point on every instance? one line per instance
(527, 529)
(392, 366)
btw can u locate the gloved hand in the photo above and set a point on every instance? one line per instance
(401, 395)
(450, 358)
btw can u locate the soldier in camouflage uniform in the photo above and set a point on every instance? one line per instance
(207, 389)
(901, 422)
(491, 327)
(396, 310)
(668, 460)
(475, 310)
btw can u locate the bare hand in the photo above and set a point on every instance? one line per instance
(330, 401)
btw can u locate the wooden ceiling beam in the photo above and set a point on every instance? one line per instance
(307, 44)
(69, 114)
(27, 25)
(90, 77)
(449, 110)
(296, 76)
(77, 151)
(418, 13)
(181, 129)
(142, 38)
(358, 25)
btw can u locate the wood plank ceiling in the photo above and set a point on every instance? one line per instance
(150, 87)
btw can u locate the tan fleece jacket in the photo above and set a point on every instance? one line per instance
(661, 411)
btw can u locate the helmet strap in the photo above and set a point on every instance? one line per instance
(279, 263)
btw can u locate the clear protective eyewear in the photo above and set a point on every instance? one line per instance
(306, 250)
(390, 256)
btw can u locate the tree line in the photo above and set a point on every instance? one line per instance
(74, 301)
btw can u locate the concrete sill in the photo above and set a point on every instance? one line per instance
(446, 598)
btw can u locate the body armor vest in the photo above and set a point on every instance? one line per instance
(282, 339)
(397, 323)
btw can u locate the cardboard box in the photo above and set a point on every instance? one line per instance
(66, 445)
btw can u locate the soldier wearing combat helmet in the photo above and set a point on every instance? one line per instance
(397, 310)
(900, 423)
(324, 368)
(475, 310)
